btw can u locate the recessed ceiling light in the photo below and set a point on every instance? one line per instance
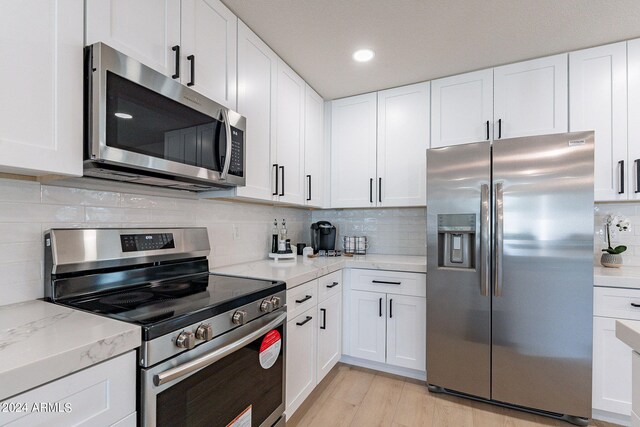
(123, 116)
(363, 55)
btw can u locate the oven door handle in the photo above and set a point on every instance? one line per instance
(214, 356)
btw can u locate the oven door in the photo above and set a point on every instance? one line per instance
(141, 119)
(235, 378)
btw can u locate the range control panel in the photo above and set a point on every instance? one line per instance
(146, 242)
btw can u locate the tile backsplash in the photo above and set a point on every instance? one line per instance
(238, 232)
(629, 238)
(389, 231)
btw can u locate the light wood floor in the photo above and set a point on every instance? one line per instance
(357, 397)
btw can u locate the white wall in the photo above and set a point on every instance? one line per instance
(27, 209)
(389, 231)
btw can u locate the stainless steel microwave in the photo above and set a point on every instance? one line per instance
(146, 128)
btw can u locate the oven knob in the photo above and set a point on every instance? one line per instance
(204, 332)
(266, 306)
(276, 302)
(239, 317)
(186, 339)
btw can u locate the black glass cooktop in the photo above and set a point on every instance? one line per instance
(163, 307)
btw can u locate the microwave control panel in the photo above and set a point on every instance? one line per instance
(237, 154)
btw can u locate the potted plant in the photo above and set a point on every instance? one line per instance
(612, 257)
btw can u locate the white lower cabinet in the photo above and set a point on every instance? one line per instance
(385, 318)
(406, 331)
(329, 334)
(611, 357)
(101, 395)
(314, 336)
(301, 358)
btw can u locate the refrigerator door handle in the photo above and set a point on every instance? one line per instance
(485, 252)
(498, 240)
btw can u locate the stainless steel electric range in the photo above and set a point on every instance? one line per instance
(213, 346)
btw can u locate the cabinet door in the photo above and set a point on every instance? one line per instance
(611, 368)
(313, 148)
(598, 101)
(406, 331)
(403, 139)
(146, 30)
(41, 86)
(633, 75)
(353, 151)
(367, 323)
(101, 395)
(462, 109)
(257, 66)
(290, 135)
(329, 334)
(209, 36)
(530, 98)
(301, 359)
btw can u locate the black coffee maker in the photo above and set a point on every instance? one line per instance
(323, 236)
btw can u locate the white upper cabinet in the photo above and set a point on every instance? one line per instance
(257, 67)
(403, 139)
(598, 102)
(314, 148)
(353, 151)
(191, 40)
(41, 86)
(462, 109)
(531, 98)
(208, 35)
(146, 30)
(290, 102)
(633, 106)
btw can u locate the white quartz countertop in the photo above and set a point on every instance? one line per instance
(303, 270)
(623, 277)
(628, 332)
(40, 342)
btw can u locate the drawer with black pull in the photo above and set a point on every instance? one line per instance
(619, 303)
(394, 282)
(329, 285)
(302, 298)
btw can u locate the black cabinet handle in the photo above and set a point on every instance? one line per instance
(380, 190)
(621, 186)
(386, 283)
(633, 304)
(276, 169)
(324, 318)
(282, 169)
(192, 59)
(637, 163)
(307, 320)
(391, 308)
(333, 285)
(306, 298)
(370, 190)
(487, 130)
(380, 308)
(176, 49)
(499, 128)
(309, 178)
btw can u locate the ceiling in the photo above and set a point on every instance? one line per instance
(418, 40)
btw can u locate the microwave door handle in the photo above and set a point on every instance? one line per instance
(227, 158)
(214, 356)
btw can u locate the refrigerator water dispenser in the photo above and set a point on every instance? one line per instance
(456, 238)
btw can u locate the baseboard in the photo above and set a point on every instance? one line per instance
(383, 367)
(611, 417)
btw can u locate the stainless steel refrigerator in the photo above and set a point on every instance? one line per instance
(510, 272)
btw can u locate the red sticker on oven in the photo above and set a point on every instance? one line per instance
(270, 349)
